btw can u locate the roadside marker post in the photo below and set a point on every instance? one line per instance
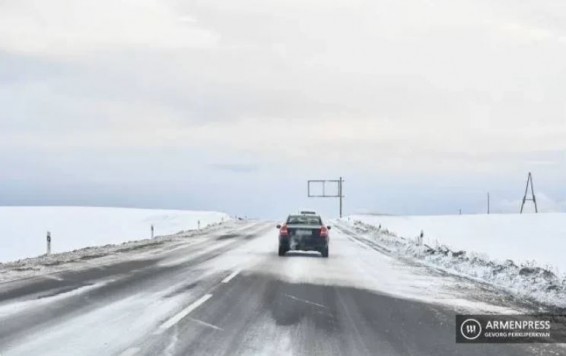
(48, 243)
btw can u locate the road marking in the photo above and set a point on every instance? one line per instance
(183, 313)
(206, 324)
(131, 351)
(306, 301)
(232, 275)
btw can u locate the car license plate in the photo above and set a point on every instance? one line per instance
(303, 232)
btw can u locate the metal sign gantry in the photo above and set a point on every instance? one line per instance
(322, 183)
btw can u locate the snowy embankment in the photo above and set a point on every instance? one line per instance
(23, 229)
(524, 254)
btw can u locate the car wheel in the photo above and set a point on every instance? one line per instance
(282, 251)
(324, 252)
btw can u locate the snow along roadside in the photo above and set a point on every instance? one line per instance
(47, 264)
(526, 280)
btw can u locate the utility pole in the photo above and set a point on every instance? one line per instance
(532, 198)
(487, 203)
(340, 194)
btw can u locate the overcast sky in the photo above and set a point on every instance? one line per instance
(423, 106)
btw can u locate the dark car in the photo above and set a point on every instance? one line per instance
(304, 232)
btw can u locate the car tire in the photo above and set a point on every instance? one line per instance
(282, 251)
(324, 252)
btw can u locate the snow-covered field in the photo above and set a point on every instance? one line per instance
(23, 229)
(525, 254)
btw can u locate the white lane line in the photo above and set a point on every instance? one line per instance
(206, 324)
(306, 301)
(183, 313)
(232, 275)
(130, 352)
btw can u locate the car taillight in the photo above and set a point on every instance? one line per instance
(323, 232)
(284, 231)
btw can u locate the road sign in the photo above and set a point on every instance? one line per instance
(326, 188)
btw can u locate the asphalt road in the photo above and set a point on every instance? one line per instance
(230, 294)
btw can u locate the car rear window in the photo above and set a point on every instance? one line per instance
(304, 219)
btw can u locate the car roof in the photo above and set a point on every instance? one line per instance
(307, 212)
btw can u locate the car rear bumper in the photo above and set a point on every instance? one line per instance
(304, 244)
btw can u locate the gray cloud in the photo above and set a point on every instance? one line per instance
(235, 167)
(403, 90)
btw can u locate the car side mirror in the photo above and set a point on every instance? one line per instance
(278, 226)
(329, 227)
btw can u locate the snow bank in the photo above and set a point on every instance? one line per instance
(519, 253)
(523, 238)
(23, 229)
